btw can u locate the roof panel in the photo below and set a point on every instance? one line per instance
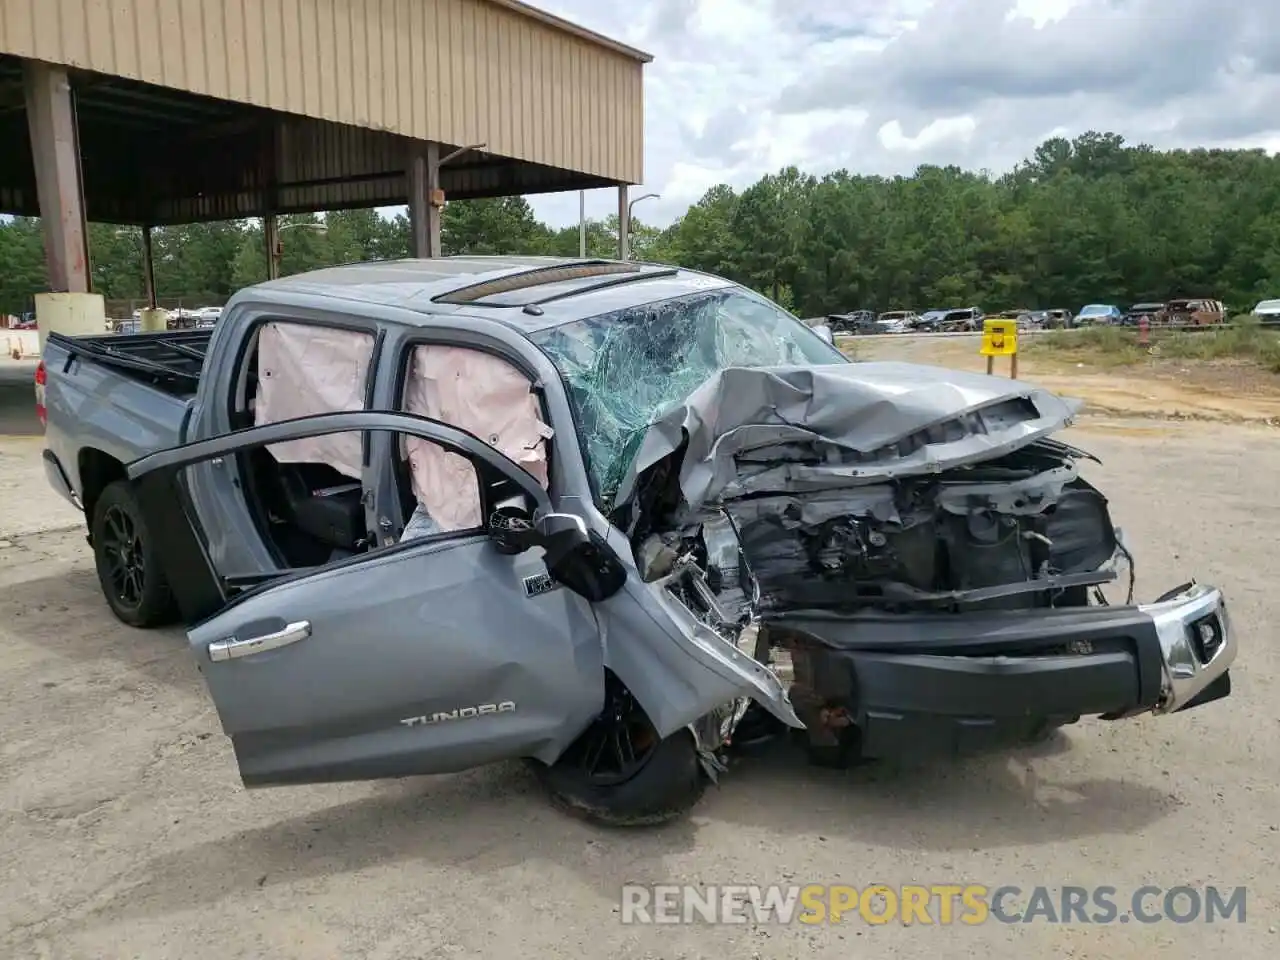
(411, 285)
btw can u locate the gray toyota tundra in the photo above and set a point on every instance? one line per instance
(612, 518)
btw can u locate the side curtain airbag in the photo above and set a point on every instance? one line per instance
(485, 396)
(304, 369)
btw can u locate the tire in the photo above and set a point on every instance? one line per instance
(670, 783)
(619, 773)
(138, 594)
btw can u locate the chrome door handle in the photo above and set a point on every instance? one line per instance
(231, 648)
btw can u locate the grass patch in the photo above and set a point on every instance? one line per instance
(1118, 346)
(1098, 346)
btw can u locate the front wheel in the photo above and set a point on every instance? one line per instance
(619, 772)
(128, 564)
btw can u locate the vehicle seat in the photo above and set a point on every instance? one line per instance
(324, 504)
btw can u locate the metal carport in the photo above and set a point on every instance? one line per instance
(151, 112)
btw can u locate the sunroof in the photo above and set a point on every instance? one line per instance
(537, 277)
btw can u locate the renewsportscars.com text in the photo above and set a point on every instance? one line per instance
(968, 904)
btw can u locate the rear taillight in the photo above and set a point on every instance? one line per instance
(41, 378)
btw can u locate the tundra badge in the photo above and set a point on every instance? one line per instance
(462, 713)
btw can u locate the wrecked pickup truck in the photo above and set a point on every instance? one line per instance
(612, 518)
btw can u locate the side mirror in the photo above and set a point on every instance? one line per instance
(580, 558)
(575, 557)
(511, 530)
(560, 534)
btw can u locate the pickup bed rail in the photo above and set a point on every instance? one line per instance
(170, 360)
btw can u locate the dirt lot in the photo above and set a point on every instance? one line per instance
(124, 831)
(1161, 388)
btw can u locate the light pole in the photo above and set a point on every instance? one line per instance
(277, 245)
(460, 151)
(426, 199)
(626, 227)
(582, 224)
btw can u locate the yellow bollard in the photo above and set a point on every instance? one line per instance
(1000, 339)
(152, 320)
(75, 314)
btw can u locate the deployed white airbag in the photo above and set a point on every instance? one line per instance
(303, 370)
(485, 396)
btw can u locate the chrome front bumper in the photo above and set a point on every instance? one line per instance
(1196, 643)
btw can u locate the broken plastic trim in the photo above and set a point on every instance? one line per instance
(538, 276)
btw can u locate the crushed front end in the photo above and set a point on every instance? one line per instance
(913, 601)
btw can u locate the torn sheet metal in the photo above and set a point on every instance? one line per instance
(855, 423)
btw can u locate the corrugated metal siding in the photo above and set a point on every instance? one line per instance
(456, 71)
(228, 172)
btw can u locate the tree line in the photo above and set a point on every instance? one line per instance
(1092, 219)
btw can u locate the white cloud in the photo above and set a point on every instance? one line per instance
(933, 135)
(740, 88)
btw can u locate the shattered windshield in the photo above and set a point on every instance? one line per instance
(624, 369)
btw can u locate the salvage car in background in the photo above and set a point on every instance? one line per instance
(1024, 318)
(897, 321)
(1193, 312)
(1136, 313)
(1268, 311)
(420, 516)
(961, 320)
(1058, 318)
(855, 322)
(1097, 314)
(930, 321)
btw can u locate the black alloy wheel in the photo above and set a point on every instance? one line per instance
(619, 742)
(126, 563)
(129, 569)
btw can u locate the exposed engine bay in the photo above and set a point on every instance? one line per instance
(1017, 533)
(907, 553)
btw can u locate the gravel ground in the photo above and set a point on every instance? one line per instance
(124, 831)
(1229, 391)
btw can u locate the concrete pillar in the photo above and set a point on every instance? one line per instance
(271, 238)
(624, 224)
(55, 151)
(75, 314)
(425, 199)
(148, 268)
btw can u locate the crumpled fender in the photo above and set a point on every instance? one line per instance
(677, 667)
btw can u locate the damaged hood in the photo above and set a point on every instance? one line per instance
(808, 428)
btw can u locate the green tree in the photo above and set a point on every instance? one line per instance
(1081, 220)
(493, 226)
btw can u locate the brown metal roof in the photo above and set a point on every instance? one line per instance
(211, 105)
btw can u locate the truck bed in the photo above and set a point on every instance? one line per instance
(170, 361)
